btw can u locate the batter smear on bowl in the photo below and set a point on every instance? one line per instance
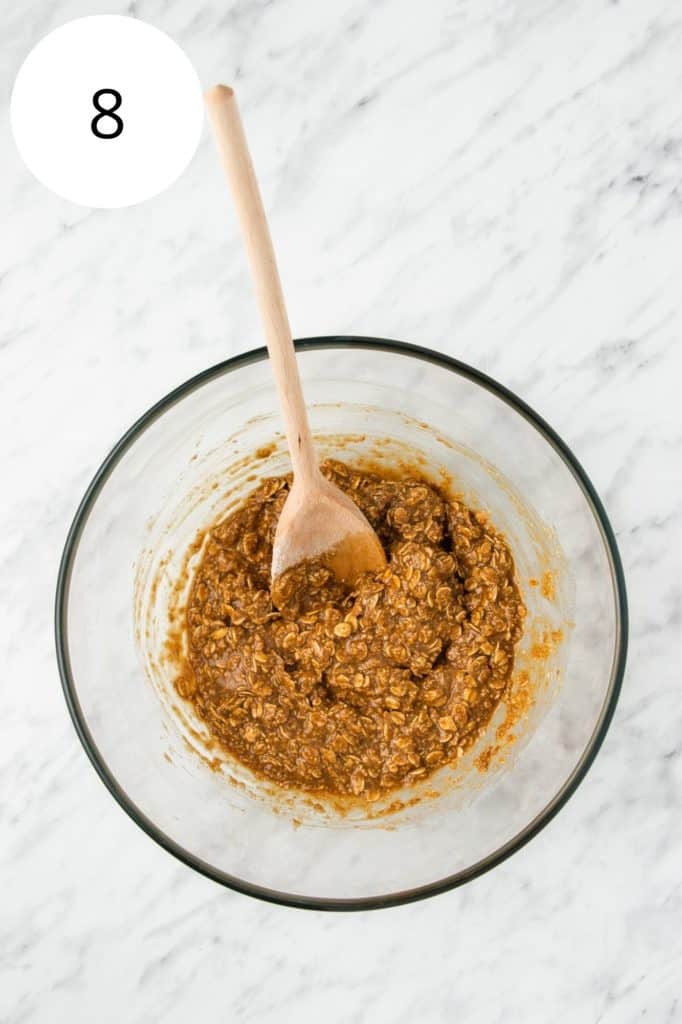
(353, 693)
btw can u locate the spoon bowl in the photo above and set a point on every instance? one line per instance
(320, 522)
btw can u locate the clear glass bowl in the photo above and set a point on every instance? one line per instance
(176, 469)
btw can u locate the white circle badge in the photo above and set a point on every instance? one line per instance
(107, 111)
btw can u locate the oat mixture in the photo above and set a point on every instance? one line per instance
(353, 693)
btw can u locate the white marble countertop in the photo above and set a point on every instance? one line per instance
(498, 181)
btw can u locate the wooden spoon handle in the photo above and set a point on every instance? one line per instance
(234, 152)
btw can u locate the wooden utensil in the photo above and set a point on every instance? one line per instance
(318, 520)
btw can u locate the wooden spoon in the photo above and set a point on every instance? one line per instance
(318, 520)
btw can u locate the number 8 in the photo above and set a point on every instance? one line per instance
(107, 112)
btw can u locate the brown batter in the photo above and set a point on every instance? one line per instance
(353, 693)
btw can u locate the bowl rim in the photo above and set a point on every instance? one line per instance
(494, 858)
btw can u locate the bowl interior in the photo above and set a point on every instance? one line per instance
(182, 466)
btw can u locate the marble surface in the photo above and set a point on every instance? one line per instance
(498, 181)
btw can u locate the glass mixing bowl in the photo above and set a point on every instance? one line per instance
(180, 466)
